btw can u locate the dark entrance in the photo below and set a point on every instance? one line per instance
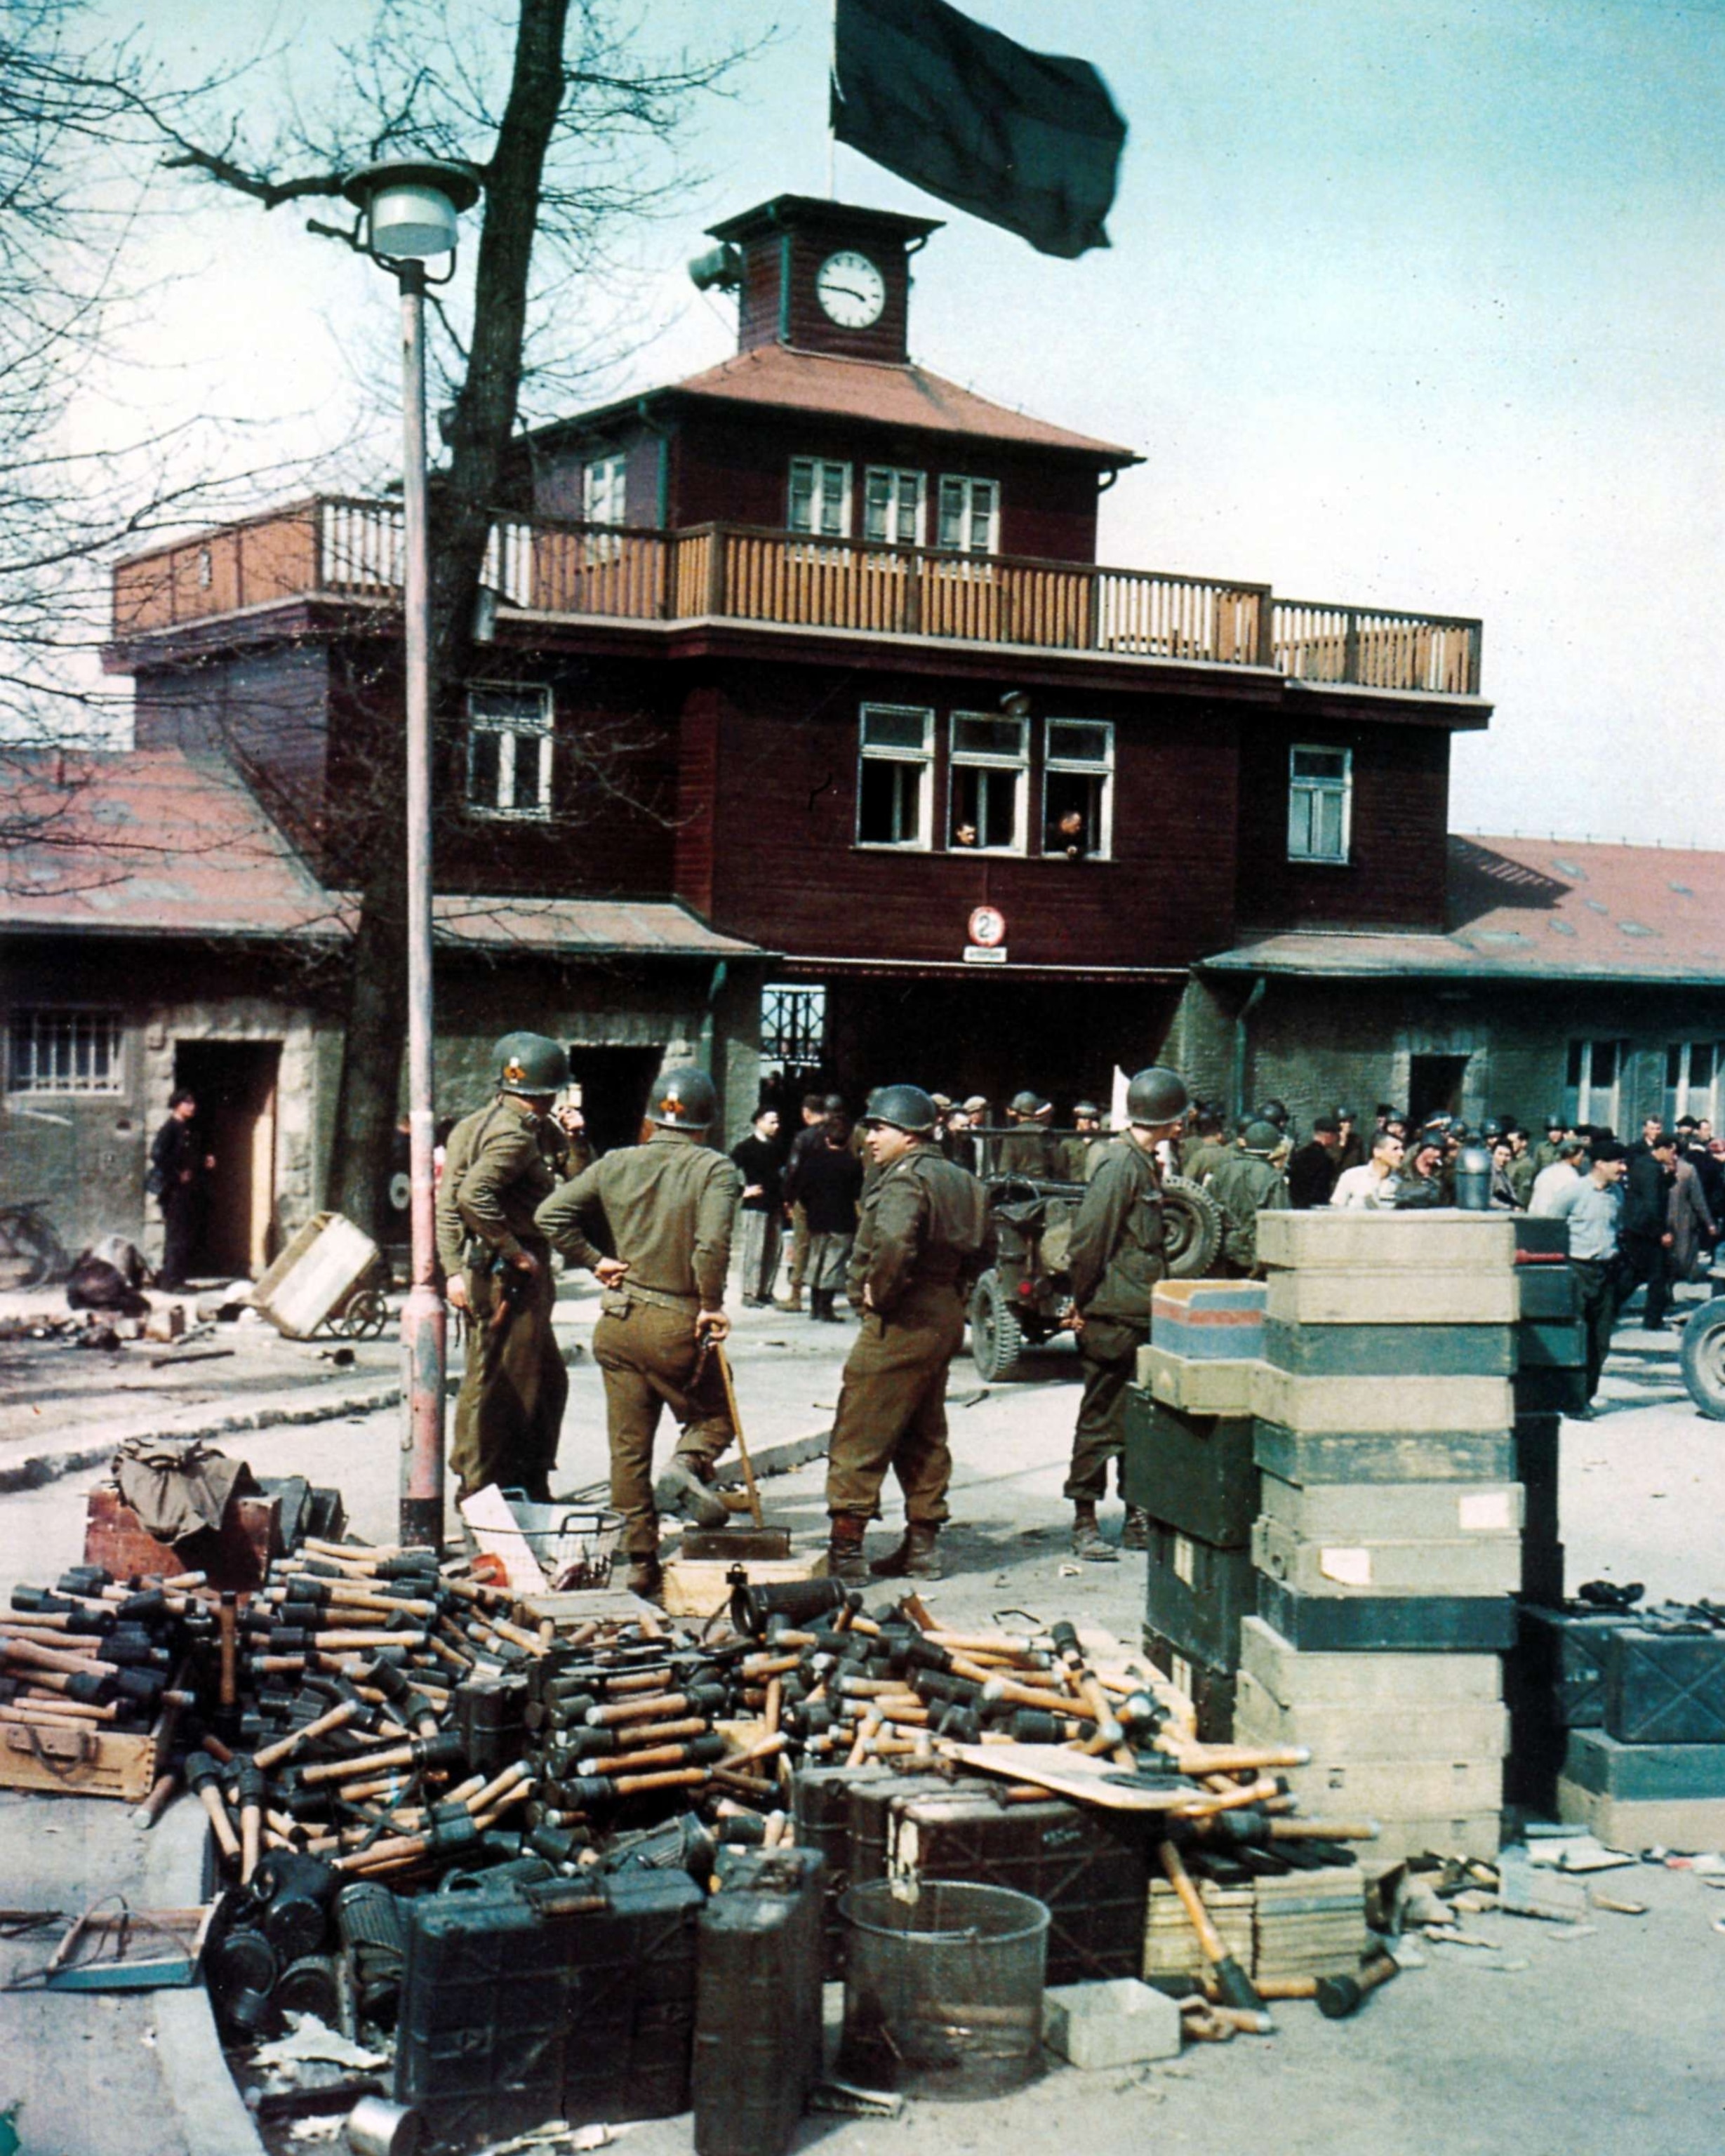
(1435, 1086)
(614, 1083)
(234, 1082)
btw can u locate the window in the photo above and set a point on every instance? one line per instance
(820, 497)
(509, 740)
(990, 778)
(969, 515)
(894, 777)
(1078, 782)
(793, 1025)
(892, 506)
(604, 490)
(1691, 1080)
(1320, 788)
(66, 1051)
(1593, 1083)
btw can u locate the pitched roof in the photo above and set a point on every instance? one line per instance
(160, 843)
(778, 378)
(1537, 909)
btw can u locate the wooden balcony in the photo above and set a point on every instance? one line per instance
(337, 549)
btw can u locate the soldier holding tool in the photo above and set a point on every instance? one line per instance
(1116, 1259)
(668, 1207)
(924, 1237)
(499, 1164)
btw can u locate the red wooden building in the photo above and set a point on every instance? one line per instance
(816, 644)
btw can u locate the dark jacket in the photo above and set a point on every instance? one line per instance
(826, 1180)
(759, 1160)
(1030, 1151)
(924, 1222)
(1647, 1197)
(175, 1149)
(1312, 1175)
(1115, 1254)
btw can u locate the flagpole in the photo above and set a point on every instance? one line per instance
(832, 78)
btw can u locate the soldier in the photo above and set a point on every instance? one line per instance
(1546, 1151)
(924, 1237)
(1077, 1151)
(1115, 1258)
(668, 1206)
(1209, 1147)
(1354, 1146)
(1421, 1187)
(1247, 1183)
(500, 1164)
(1031, 1150)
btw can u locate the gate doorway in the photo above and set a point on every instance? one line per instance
(614, 1084)
(1435, 1086)
(234, 1084)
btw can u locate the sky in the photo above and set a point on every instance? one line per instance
(1408, 305)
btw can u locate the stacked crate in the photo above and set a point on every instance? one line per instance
(1652, 1771)
(1189, 1462)
(1389, 1542)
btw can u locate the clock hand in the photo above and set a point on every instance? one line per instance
(850, 291)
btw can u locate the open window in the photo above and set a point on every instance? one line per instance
(895, 779)
(1078, 789)
(1320, 803)
(509, 751)
(990, 778)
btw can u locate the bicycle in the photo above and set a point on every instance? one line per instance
(31, 1253)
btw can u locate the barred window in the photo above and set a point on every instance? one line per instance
(793, 1024)
(66, 1051)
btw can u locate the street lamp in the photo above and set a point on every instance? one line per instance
(410, 210)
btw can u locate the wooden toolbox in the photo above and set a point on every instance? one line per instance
(99, 1761)
(236, 1556)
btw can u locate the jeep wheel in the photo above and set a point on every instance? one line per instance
(996, 1340)
(1704, 1357)
(1192, 1226)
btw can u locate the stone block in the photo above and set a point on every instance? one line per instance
(1438, 1241)
(1115, 2024)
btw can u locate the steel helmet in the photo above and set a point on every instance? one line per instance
(904, 1107)
(1262, 1138)
(683, 1099)
(1027, 1103)
(1156, 1096)
(1274, 1112)
(1088, 1108)
(528, 1063)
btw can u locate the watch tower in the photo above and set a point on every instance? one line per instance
(824, 277)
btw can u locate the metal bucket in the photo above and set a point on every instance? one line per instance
(942, 1987)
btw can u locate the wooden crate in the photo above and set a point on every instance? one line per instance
(236, 1557)
(696, 1587)
(96, 1761)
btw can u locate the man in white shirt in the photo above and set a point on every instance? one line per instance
(1372, 1188)
(1557, 1186)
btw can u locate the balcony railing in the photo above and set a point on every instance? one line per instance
(345, 549)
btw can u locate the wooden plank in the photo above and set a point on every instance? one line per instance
(1075, 1774)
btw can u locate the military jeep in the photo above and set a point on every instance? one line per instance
(1019, 1303)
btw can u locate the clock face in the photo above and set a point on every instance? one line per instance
(850, 290)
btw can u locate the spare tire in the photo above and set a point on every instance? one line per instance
(1704, 1357)
(1193, 1225)
(996, 1340)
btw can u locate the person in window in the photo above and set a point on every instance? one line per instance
(1068, 837)
(964, 834)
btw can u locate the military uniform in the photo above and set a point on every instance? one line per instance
(1076, 1155)
(1204, 1159)
(1246, 1185)
(1522, 1173)
(923, 1237)
(669, 1206)
(1114, 1259)
(498, 1167)
(1031, 1151)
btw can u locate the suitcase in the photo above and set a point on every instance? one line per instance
(533, 2003)
(1196, 1595)
(1196, 1472)
(1089, 1867)
(758, 2001)
(1396, 1623)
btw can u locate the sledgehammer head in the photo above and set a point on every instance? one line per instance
(1340, 1996)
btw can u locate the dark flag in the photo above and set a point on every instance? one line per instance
(1021, 139)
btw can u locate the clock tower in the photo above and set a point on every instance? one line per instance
(823, 276)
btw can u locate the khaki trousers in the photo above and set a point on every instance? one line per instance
(892, 1408)
(509, 1414)
(649, 1356)
(1108, 1353)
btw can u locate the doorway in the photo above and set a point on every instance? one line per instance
(1435, 1086)
(614, 1084)
(234, 1084)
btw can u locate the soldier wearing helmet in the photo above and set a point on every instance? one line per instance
(1031, 1149)
(1115, 1258)
(923, 1238)
(1076, 1152)
(667, 1208)
(498, 1167)
(1247, 1182)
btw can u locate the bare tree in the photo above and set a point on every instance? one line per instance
(571, 124)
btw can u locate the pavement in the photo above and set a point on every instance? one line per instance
(1547, 2041)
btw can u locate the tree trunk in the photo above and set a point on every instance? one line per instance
(369, 1099)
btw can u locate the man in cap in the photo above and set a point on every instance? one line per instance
(667, 1207)
(1351, 1151)
(1247, 1182)
(1032, 1149)
(1314, 1166)
(813, 1133)
(923, 1238)
(1593, 1214)
(1079, 1150)
(1115, 1258)
(500, 1166)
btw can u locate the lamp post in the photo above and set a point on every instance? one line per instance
(409, 211)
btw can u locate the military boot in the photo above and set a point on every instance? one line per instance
(844, 1550)
(916, 1557)
(1135, 1535)
(1087, 1541)
(793, 1300)
(681, 1490)
(646, 1578)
